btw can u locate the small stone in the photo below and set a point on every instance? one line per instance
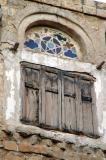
(47, 142)
(25, 147)
(39, 157)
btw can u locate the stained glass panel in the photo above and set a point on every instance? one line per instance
(51, 41)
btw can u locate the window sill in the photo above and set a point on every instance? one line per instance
(79, 140)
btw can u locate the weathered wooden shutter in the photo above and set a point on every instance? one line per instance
(31, 96)
(51, 98)
(87, 111)
(68, 102)
(57, 99)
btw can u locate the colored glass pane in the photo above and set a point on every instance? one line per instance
(48, 40)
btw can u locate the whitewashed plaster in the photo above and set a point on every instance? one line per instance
(13, 76)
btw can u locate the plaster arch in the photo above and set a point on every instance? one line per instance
(54, 17)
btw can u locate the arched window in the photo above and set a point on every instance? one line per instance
(51, 41)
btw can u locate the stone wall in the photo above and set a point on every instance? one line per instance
(1, 87)
(86, 6)
(22, 146)
(86, 20)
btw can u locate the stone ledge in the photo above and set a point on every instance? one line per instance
(101, 13)
(88, 8)
(58, 136)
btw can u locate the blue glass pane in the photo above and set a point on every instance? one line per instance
(60, 38)
(56, 42)
(46, 38)
(50, 45)
(31, 44)
(58, 50)
(69, 53)
(50, 51)
(43, 45)
(74, 51)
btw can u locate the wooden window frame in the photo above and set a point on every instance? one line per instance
(84, 127)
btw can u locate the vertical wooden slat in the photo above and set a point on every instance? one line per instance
(32, 105)
(68, 106)
(79, 110)
(42, 110)
(40, 96)
(94, 110)
(87, 118)
(87, 107)
(51, 110)
(23, 91)
(59, 106)
(31, 83)
(26, 78)
(51, 96)
(63, 121)
(35, 78)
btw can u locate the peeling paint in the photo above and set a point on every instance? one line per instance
(10, 100)
(98, 86)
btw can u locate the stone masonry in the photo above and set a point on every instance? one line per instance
(86, 20)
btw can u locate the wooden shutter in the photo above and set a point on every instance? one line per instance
(57, 99)
(68, 102)
(51, 98)
(87, 111)
(31, 95)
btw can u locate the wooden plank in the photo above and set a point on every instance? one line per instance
(31, 105)
(23, 93)
(63, 114)
(51, 85)
(30, 65)
(70, 113)
(94, 111)
(68, 106)
(28, 75)
(79, 111)
(52, 110)
(59, 105)
(87, 118)
(35, 78)
(87, 108)
(42, 109)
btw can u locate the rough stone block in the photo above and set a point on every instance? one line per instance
(72, 5)
(41, 149)
(10, 145)
(25, 147)
(89, 9)
(47, 142)
(11, 156)
(101, 12)
(90, 3)
(101, 5)
(39, 157)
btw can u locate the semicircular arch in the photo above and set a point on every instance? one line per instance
(69, 27)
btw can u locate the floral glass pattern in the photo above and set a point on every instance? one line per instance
(51, 41)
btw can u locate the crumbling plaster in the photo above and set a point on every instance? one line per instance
(90, 30)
